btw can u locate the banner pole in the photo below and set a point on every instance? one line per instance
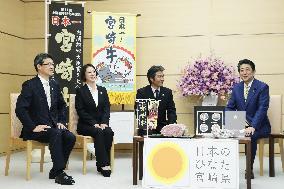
(47, 2)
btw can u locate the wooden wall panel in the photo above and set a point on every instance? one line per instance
(157, 16)
(12, 59)
(12, 55)
(32, 48)
(34, 20)
(11, 17)
(247, 17)
(266, 51)
(187, 17)
(9, 84)
(171, 52)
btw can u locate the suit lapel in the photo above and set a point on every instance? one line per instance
(251, 92)
(89, 95)
(52, 93)
(41, 91)
(150, 92)
(100, 100)
(241, 94)
(161, 94)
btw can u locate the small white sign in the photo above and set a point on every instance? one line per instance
(122, 124)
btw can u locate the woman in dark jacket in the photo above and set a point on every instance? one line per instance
(93, 108)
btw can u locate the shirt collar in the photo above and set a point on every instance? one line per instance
(91, 89)
(154, 90)
(43, 81)
(250, 83)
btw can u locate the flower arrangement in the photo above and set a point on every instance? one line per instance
(173, 130)
(221, 133)
(207, 76)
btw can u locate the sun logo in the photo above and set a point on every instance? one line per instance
(167, 162)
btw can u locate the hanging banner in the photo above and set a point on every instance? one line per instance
(114, 54)
(66, 28)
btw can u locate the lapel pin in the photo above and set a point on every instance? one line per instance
(101, 92)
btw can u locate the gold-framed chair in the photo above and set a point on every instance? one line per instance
(82, 140)
(16, 142)
(275, 118)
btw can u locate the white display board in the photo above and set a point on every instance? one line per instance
(214, 163)
(122, 124)
(191, 163)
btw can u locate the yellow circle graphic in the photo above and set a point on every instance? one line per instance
(167, 162)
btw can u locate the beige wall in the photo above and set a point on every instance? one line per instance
(11, 56)
(231, 29)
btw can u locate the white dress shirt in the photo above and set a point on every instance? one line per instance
(46, 87)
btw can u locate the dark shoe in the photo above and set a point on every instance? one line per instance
(52, 175)
(99, 169)
(251, 176)
(105, 173)
(64, 179)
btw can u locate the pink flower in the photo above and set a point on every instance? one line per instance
(207, 75)
(173, 130)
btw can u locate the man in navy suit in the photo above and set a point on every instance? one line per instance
(42, 111)
(252, 96)
(166, 111)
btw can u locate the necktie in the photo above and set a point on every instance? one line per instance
(156, 93)
(246, 90)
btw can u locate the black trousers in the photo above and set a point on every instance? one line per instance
(61, 142)
(102, 142)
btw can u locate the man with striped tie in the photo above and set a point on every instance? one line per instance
(155, 90)
(252, 96)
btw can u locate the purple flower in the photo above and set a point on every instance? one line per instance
(207, 75)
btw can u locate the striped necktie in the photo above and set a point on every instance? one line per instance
(246, 91)
(156, 94)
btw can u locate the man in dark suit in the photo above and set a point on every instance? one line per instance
(166, 111)
(252, 96)
(42, 111)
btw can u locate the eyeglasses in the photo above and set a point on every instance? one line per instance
(48, 64)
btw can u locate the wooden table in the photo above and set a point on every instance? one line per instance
(137, 163)
(271, 152)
